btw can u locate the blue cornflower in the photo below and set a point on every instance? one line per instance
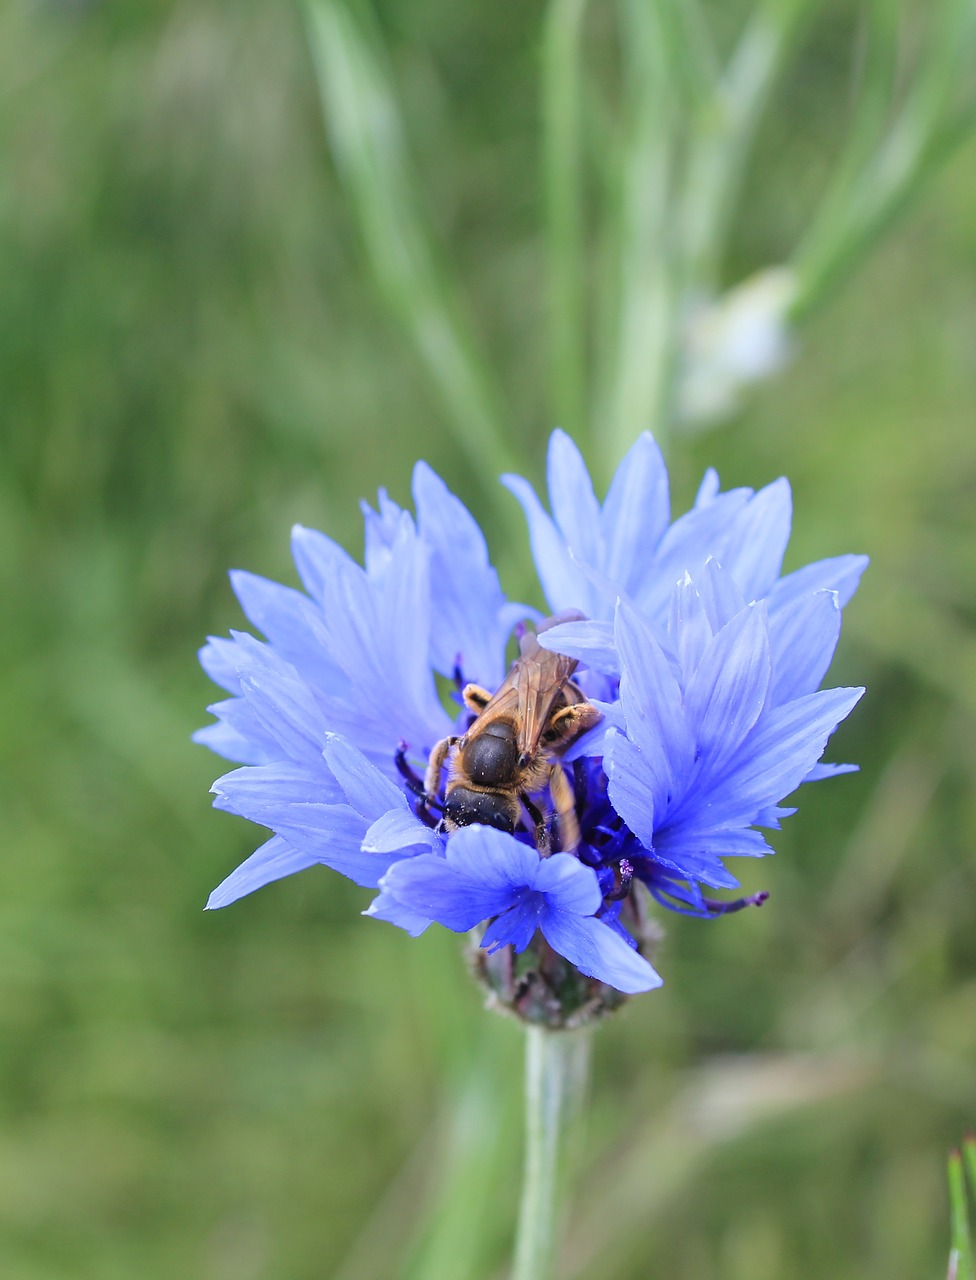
(705, 664)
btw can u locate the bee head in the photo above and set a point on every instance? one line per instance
(463, 807)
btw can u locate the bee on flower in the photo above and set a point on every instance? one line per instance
(648, 730)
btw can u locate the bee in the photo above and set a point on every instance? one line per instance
(511, 750)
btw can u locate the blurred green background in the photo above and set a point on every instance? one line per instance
(191, 359)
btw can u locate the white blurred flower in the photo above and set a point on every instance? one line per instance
(731, 341)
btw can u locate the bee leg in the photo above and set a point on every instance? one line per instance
(543, 841)
(564, 801)
(435, 765)
(571, 723)
(475, 698)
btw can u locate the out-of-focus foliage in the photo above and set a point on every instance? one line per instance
(190, 360)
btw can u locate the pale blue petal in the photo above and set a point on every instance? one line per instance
(472, 621)
(689, 630)
(241, 719)
(771, 817)
(378, 633)
(756, 540)
(709, 488)
(365, 788)
(287, 712)
(228, 742)
(720, 594)
(822, 770)
(273, 861)
(380, 528)
(331, 834)
(841, 574)
(292, 623)
(679, 843)
(219, 659)
(727, 692)
(397, 830)
(430, 886)
(589, 641)
(385, 907)
(596, 950)
(561, 581)
(635, 514)
(572, 500)
(318, 559)
(568, 884)
(700, 533)
(652, 705)
(778, 755)
(249, 791)
(802, 638)
(494, 857)
(632, 785)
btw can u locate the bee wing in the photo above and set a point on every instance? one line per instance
(538, 677)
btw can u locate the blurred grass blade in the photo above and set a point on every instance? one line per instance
(636, 338)
(870, 190)
(721, 142)
(470, 1196)
(367, 138)
(961, 1246)
(561, 109)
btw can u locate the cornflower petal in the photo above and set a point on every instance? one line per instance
(562, 584)
(589, 641)
(635, 513)
(598, 951)
(782, 750)
(380, 531)
(453, 894)
(246, 790)
(651, 700)
(755, 541)
(841, 574)
(385, 907)
(802, 638)
(473, 617)
(273, 861)
(293, 625)
(572, 500)
(725, 695)
(364, 786)
(237, 735)
(218, 657)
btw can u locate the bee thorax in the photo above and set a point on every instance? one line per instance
(492, 758)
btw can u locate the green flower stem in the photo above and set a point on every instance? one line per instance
(561, 95)
(556, 1066)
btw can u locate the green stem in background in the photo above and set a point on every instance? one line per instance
(371, 157)
(882, 170)
(638, 323)
(721, 143)
(561, 109)
(962, 1265)
(556, 1068)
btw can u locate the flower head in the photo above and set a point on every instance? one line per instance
(703, 663)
